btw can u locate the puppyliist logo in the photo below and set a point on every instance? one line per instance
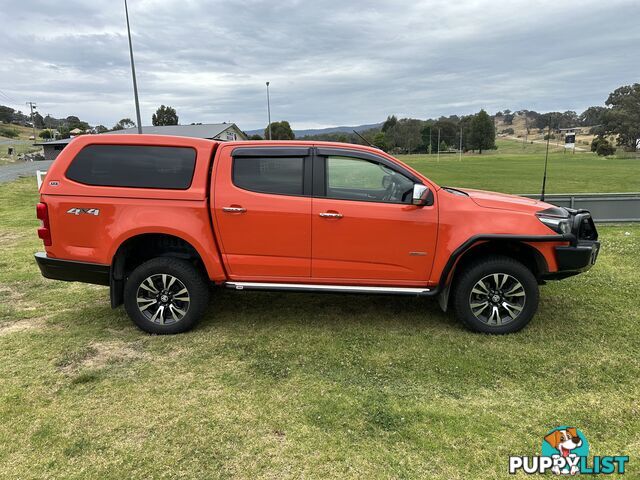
(565, 451)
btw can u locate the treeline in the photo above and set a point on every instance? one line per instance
(619, 118)
(411, 135)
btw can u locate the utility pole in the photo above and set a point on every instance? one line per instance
(526, 130)
(32, 105)
(438, 157)
(268, 112)
(133, 71)
(430, 149)
(460, 143)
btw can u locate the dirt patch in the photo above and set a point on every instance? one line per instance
(7, 238)
(19, 326)
(16, 298)
(98, 355)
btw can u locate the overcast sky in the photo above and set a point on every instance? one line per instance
(329, 63)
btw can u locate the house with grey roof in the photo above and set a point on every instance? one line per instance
(224, 132)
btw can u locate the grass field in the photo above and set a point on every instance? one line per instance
(278, 385)
(514, 170)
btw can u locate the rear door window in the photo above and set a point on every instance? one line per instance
(279, 175)
(134, 166)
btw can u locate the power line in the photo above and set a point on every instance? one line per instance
(13, 100)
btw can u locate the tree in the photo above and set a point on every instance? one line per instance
(592, 116)
(45, 134)
(165, 116)
(255, 136)
(427, 136)
(602, 146)
(379, 141)
(6, 114)
(623, 116)
(483, 133)
(280, 131)
(389, 123)
(124, 123)
(449, 134)
(64, 131)
(405, 135)
(101, 129)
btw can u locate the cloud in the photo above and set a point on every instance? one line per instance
(329, 62)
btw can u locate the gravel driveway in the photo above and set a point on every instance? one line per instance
(12, 171)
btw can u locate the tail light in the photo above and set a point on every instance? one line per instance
(44, 232)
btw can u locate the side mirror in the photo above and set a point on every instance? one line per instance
(420, 194)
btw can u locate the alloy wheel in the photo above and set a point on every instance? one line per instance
(163, 299)
(497, 299)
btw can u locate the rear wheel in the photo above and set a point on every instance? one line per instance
(166, 295)
(496, 295)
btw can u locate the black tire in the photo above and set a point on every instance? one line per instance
(187, 277)
(479, 276)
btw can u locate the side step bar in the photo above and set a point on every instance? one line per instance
(305, 287)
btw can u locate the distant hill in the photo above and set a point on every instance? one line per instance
(320, 131)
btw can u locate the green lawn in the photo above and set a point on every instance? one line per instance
(514, 170)
(279, 385)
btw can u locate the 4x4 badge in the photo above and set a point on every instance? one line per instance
(87, 211)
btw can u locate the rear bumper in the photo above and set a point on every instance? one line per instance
(574, 259)
(72, 271)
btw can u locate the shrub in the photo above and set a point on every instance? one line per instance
(508, 131)
(602, 147)
(8, 132)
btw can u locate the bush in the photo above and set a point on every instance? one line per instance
(508, 131)
(602, 147)
(550, 137)
(45, 134)
(8, 132)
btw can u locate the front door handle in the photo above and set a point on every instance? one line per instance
(331, 215)
(234, 209)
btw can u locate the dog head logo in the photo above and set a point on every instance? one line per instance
(564, 440)
(567, 443)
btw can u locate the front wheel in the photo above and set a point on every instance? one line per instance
(166, 295)
(496, 295)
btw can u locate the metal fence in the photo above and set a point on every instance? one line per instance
(604, 207)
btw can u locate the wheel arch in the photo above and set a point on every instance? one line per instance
(516, 249)
(137, 249)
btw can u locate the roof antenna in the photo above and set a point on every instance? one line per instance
(367, 141)
(546, 159)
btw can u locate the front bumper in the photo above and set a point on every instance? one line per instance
(72, 271)
(573, 260)
(583, 250)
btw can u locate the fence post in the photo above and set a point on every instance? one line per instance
(40, 174)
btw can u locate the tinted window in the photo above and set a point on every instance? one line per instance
(269, 175)
(357, 179)
(134, 166)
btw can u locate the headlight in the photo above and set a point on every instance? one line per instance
(559, 225)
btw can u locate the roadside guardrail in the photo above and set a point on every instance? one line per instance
(604, 207)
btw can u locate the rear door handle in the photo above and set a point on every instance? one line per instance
(234, 209)
(331, 215)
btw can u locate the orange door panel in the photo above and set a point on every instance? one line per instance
(372, 241)
(261, 235)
